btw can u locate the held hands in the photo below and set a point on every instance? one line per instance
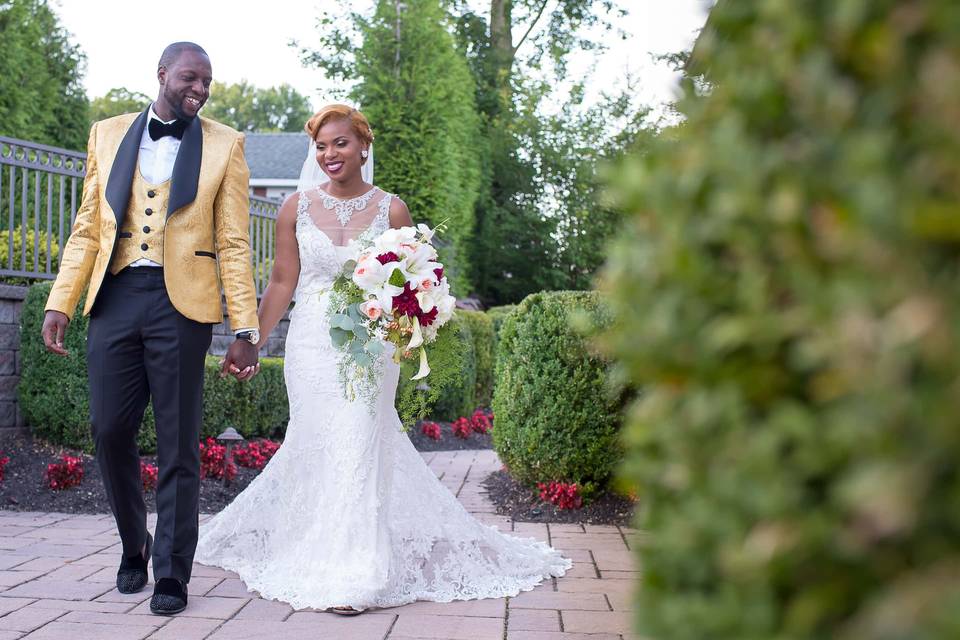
(54, 331)
(240, 361)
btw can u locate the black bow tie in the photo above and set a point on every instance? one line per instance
(159, 129)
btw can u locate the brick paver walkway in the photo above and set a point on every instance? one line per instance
(57, 573)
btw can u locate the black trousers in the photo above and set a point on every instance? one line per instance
(139, 346)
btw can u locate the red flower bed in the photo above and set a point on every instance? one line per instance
(65, 474)
(256, 455)
(148, 475)
(430, 429)
(462, 428)
(562, 494)
(3, 463)
(213, 461)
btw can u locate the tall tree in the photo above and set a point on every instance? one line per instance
(418, 93)
(249, 108)
(41, 96)
(117, 101)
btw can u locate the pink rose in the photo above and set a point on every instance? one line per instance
(371, 309)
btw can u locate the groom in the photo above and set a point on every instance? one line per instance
(164, 213)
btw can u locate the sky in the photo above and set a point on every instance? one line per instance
(248, 39)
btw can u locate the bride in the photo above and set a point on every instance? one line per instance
(347, 515)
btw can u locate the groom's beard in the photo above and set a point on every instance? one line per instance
(176, 103)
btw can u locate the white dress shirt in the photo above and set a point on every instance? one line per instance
(156, 164)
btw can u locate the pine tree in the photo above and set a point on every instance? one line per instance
(418, 93)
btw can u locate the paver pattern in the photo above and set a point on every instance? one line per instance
(57, 575)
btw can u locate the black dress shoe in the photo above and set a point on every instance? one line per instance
(169, 597)
(132, 575)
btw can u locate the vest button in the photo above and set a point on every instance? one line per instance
(151, 193)
(144, 246)
(148, 211)
(146, 229)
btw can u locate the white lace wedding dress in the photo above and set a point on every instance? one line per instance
(347, 513)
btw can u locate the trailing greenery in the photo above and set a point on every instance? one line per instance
(248, 108)
(54, 395)
(556, 416)
(481, 332)
(449, 391)
(41, 73)
(786, 293)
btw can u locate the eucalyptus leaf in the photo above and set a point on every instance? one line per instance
(362, 360)
(361, 332)
(348, 268)
(341, 321)
(340, 337)
(375, 347)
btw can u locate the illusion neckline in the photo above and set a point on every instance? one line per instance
(327, 194)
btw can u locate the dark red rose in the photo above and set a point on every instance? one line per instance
(406, 303)
(439, 273)
(389, 256)
(427, 319)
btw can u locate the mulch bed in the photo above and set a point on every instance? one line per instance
(523, 504)
(24, 487)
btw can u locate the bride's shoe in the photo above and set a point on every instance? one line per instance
(345, 611)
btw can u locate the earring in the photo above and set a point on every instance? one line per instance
(364, 153)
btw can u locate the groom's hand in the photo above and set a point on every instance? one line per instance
(240, 361)
(54, 331)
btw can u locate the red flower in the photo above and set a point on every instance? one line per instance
(389, 256)
(439, 273)
(65, 474)
(430, 429)
(563, 495)
(3, 463)
(213, 461)
(462, 428)
(406, 303)
(148, 475)
(481, 421)
(257, 454)
(427, 319)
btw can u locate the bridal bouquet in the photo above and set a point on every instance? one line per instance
(393, 291)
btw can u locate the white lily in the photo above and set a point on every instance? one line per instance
(424, 366)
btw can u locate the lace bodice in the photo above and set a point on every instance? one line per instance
(325, 228)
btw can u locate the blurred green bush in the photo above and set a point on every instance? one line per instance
(787, 294)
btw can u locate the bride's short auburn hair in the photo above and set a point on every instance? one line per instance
(337, 112)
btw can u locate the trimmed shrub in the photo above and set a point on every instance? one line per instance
(35, 250)
(481, 331)
(556, 417)
(54, 395)
(450, 389)
(497, 315)
(786, 294)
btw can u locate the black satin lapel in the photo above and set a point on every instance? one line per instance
(117, 192)
(186, 169)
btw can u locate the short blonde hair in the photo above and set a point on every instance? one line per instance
(337, 112)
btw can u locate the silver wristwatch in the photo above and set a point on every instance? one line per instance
(251, 335)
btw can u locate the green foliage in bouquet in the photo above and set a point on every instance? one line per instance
(54, 394)
(449, 391)
(786, 295)
(557, 417)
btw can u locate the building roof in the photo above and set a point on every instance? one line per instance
(276, 155)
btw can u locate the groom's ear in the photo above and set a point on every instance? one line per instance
(162, 75)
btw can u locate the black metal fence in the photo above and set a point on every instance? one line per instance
(40, 191)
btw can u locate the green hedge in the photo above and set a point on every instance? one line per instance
(556, 416)
(54, 397)
(481, 332)
(497, 316)
(787, 294)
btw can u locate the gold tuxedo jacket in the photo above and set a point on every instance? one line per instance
(206, 231)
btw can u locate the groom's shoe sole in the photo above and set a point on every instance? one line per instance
(134, 580)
